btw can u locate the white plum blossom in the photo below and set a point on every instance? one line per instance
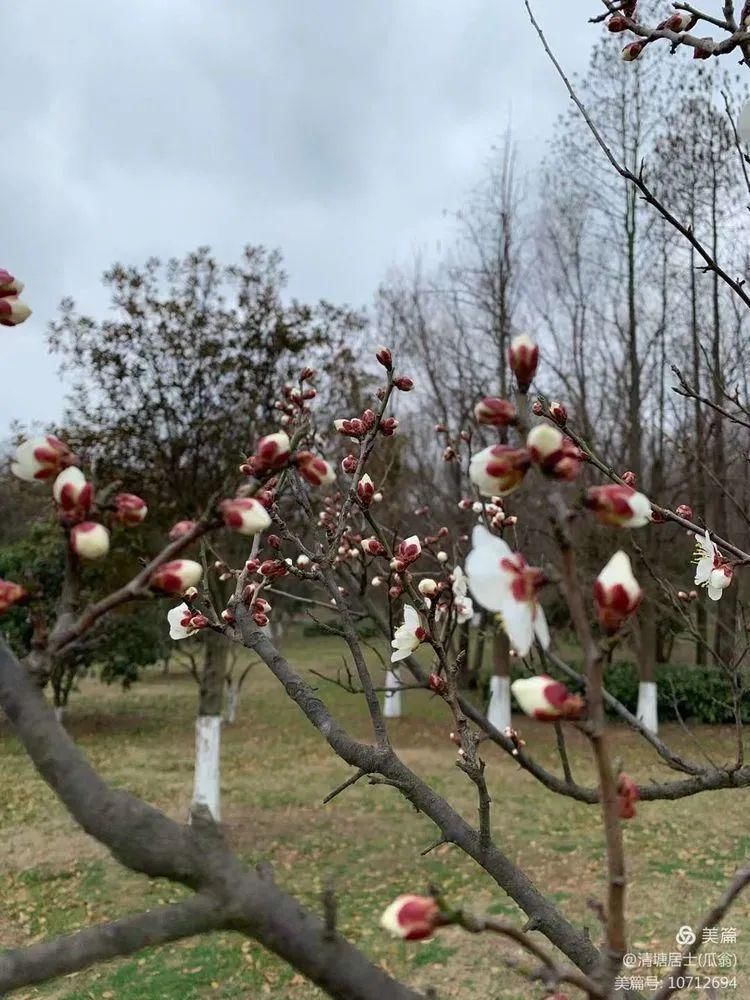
(461, 601)
(711, 571)
(501, 581)
(407, 636)
(179, 622)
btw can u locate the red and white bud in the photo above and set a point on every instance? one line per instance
(543, 698)
(365, 490)
(13, 311)
(427, 587)
(303, 561)
(272, 452)
(536, 408)
(353, 428)
(372, 546)
(129, 508)
(246, 515)
(629, 478)
(412, 918)
(177, 576)
(369, 419)
(10, 593)
(385, 358)
(555, 454)
(499, 469)
(558, 413)
(89, 540)
(404, 383)
(72, 491)
(8, 284)
(495, 412)
(619, 506)
(706, 50)
(388, 426)
(409, 550)
(617, 593)
(679, 21)
(523, 358)
(41, 458)
(349, 464)
(632, 51)
(314, 470)
(180, 529)
(684, 511)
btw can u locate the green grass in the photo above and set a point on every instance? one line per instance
(368, 841)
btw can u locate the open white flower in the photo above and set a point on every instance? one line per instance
(711, 571)
(179, 619)
(407, 636)
(501, 580)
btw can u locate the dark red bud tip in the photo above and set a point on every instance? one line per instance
(385, 358)
(274, 541)
(404, 383)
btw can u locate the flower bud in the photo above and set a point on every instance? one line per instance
(558, 413)
(41, 458)
(705, 52)
(349, 464)
(10, 593)
(129, 508)
(369, 419)
(272, 568)
(177, 576)
(377, 497)
(388, 426)
(495, 412)
(684, 511)
(350, 428)
(365, 490)
(627, 796)
(679, 21)
(198, 621)
(180, 529)
(372, 546)
(442, 556)
(13, 312)
(89, 540)
(632, 50)
(617, 593)
(409, 550)
(499, 469)
(720, 578)
(682, 595)
(618, 505)
(437, 683)
(245, 515)
(72, 492)
(306, 373)
(427, 587)
(272, 452)
(617, 23)
(555, 454)
(536, 408)
(629, 478)
(8, 284)
(385, 358)
(316, 471)
(546, 699)
(404, 383)
(274, 541)
(523, 358)
(412, 918)
(252, 565)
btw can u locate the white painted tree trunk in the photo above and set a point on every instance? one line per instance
(207, 758)
(647, 711)
(233, 697)
(60, 713)
(392, 700)
(498, 710)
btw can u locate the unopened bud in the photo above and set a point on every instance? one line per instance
(404, 383)
(385, 358)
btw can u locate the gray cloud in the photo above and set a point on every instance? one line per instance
(338, 131)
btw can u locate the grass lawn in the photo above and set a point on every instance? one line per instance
(276, 771)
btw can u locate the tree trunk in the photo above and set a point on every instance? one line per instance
(207, 783)
(233, 697)
(392, 700)
(647, 710)
(498, 710)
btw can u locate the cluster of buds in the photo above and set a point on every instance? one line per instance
(627, 796)
(495, 412)
(10, 594)
(296, 397)
(272, 569)
(617, 593)
(271, 454)
(523, 358)
(12, 310)
(259, 606)
(555, 454)
(499, 469)
(618, 506)
(245, 515)
(406, 553)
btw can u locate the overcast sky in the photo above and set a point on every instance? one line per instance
(337, 130)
